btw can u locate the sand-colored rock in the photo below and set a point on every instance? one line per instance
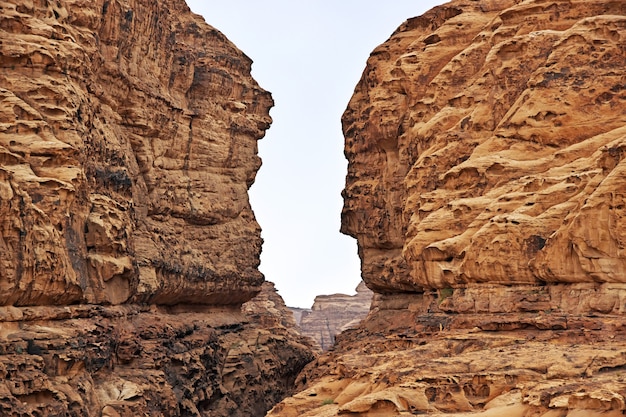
(128, 141)
(485, 147)
(334, 313)
(415, 355)
(483, 139)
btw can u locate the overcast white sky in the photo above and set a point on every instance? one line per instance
(310, 56)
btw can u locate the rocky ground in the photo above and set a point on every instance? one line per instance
(416, 355)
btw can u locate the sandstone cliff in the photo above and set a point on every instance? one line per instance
(332, 314)
(485, 189)
(128, 140)
(128, 144)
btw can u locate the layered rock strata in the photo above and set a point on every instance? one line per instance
(128, 144)
(332, 314)
(485, 185)
(128, 140)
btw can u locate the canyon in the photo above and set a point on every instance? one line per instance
(128, 247)
(485, 189)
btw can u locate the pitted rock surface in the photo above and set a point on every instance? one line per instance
(485, 189)
(484, 140)
(128, 141)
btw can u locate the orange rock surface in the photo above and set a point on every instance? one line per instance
(128, 141)
(483, 142)
(485, 189)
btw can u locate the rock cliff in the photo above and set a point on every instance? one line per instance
(128, 141)
(332, 314)
(485, 189)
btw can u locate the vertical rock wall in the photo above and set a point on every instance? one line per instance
(485, 188)
(129, 136)
(128, 141)
(484, 140)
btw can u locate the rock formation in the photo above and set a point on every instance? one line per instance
(128, 143)
(269, 310)
(485, 189)
(128, 140)
(332, 314)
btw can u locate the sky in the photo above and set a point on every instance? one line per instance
(310, 56)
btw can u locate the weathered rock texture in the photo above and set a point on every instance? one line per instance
(128, 135)
(131, 360)
(486, 191)
(269, 310)
(485, 145)
(332, 314)
(128, 144)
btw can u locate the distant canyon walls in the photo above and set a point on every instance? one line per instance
(333, 313)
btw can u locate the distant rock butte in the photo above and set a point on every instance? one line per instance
(128, 141)
(485, 188)
(332, 314)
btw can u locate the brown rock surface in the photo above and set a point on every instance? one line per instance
(128, 140)
(482, 141)
(485, 145)
(269, 310)
(332, 314)
(132, 360)
(128, 135)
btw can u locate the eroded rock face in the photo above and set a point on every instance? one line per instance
(268, 309)
(128, 140)
(131, 360)
(484, 140)
(485, 145)
(411, 358)
(128, 135)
